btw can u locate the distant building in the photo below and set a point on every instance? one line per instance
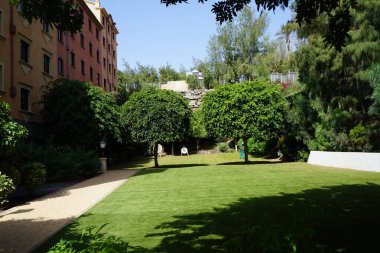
(33, 54)
(288, 78)
(196, 73)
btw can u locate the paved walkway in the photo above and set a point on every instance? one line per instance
(25, 227)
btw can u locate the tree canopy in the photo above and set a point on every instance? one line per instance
(243, 110)
(79, 114)
(153, 116)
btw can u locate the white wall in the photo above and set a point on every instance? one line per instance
(349, 160)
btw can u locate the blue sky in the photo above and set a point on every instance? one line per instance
(153, 34)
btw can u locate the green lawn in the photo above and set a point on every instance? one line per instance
(214, 203)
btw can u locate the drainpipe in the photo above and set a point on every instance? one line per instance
(12, 31)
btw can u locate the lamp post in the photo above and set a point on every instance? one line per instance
(103, 159)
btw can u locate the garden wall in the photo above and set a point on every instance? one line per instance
(349, 160)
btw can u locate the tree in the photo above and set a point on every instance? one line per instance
(233, 51)
(12, 135)
(79, 114)
(167, 73)
(198, 128)
(153, 116)
(193, 82)
(243, 110)
(63, 14)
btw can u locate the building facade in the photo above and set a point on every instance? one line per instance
(33, 54)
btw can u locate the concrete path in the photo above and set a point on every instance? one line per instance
(25, 227)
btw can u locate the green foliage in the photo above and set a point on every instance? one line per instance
(359, 137)
(63, 162)
(34, 175)
(79, 114)
(167, 73)
(13, 174)
(244, 110)
(374, 79)
(193, 82)
(92, 240)
(11, 133)
(6, 188)
(198, 129)
(157, 116)
(223, 147)
(62, 14)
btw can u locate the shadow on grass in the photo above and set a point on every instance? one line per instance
(163, 168)
(332, 219)
(251, 162)
(136, 163)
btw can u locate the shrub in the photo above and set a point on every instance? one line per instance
(90, 242)
(222, 147)
(62, 162)
(14, 174)
(34, 175)
(358, 137)
(6, 187)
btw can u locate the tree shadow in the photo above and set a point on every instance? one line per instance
(251, 162)
(331, 219)
(136, 163)
(163, 168)
(24, 235)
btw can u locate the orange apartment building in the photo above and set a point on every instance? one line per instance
(33, 54)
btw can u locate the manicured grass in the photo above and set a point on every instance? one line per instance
(214, 203)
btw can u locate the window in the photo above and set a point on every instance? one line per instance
(97, 33)
(114, 54)
(1, 77)
(109, 48)
(109, 87)
(60, 66)
(24, 46)
(82, 67)
(1, 23)
(104, 42)
(59, 35)
(114, 72)
(109, 67)
(98, 79)
(45, 27)
(25, 99)
(72, 59)
(105, 83)
(82, 40)
(113, 36)
(97, 56)
(90, 25)
(104, 62)
(90, 46)
(91, 74)
(46, 64)
(103, 20)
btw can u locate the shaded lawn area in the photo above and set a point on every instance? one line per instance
(214, 203)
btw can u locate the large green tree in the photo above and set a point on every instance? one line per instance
(336, 82)
(198, 128)
(79, 114)
(153, 116)
(244, 110)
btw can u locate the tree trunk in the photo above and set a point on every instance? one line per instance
(155, 151)
(197, 145)
(245, 140)
(173, 148)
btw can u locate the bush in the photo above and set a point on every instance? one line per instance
(6, 188)
(223, 147)
(62, 162)
(14, 174)
(34, 175)
(358, 137)
(90, 242)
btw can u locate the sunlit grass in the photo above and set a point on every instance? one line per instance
(164, 210)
